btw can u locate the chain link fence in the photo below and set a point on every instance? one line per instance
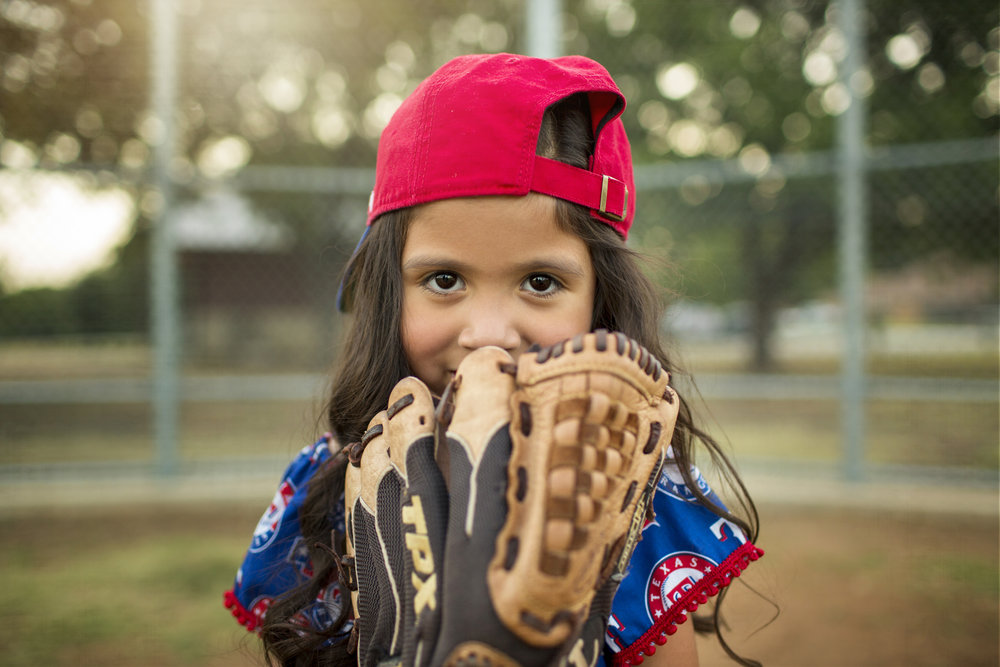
(734, 112)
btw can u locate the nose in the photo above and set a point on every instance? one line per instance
(489, 324)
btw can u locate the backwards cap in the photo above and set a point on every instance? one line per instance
(471, 128)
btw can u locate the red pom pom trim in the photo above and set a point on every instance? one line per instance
(707, 587)
(247, 619)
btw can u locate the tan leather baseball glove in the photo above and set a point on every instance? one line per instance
(493, 527)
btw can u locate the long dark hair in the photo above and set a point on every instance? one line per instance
(372, 362)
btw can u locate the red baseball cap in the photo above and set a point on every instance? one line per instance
(471, 129)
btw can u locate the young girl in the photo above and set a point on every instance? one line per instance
(502, 200)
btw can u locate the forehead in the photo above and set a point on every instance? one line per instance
(491, 230)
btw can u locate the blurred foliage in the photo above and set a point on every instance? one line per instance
(110, 300)
(311, 83)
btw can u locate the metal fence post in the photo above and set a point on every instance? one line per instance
(543, 28)
(853, 229)
(164, 311)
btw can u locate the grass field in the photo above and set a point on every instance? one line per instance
(946, 434)
(926, 433)
(43, 359)
(142, 585)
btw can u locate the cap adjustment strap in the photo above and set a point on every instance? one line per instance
(599, 192)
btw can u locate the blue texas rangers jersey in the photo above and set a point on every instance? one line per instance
(687, 554)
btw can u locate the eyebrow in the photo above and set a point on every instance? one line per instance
(431, 261)
(554, 264)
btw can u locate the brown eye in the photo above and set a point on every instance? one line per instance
(444, 282)
(541, 283)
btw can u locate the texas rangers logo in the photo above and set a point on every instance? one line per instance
(269, 524)
(672, 483)
(672, 578)
(321, 614)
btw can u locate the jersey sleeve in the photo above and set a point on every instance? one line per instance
(278, 558)
(687, 554)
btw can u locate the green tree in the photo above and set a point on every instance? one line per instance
(311, 82)
(747, 81)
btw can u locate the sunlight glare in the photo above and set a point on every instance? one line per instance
(54, 229)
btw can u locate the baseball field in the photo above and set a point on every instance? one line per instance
(141, 584)
(127, 571)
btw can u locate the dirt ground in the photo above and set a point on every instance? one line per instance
(862, 587)
(836, 586)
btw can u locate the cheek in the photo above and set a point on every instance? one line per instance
(566, 324)
(412, 335)
(423, 337)
(415, 342)
(580, 317)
